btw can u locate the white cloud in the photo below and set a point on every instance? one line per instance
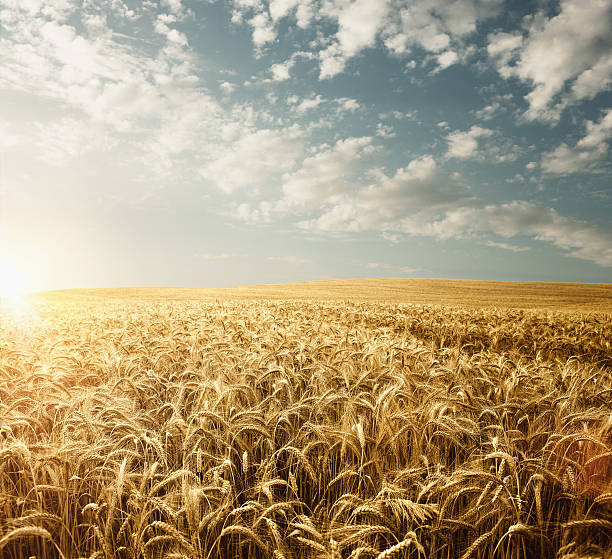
(447, 59)
(416, 190)
(281, 71)
(347, 104)
(438, 26)
(263, 30)
(418, 200)
(175, 6)
(511, 219)
(359, 23)
(574, 46)
(324, 174)
(281, 8)
(379, 266)
(227, 87)
(385, 130)
(590, 149)
(507, 246)
(309, 103)
(503, 47)
(253, 158)
(464, 145)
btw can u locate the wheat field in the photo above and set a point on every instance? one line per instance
(142, 424)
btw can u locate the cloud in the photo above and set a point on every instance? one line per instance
(324, 174)
(263, 30)
(446, 59)
(385, 130)
(281, 8)
(419, 200)
(437, 26)
(290, 260)
(175, 6)
(281, 71)
(416, 190)
(498, 105)
(62, 141)
(359, 23)
(379, 266)
(577, 238)
(227, 87)
(309, 103)
(347, 104)
(151, 98)
(464, 145)
(590, 149)
(507, 246)
(573, 47)
(253, 158)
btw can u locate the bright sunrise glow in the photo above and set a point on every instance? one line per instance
(13, 284)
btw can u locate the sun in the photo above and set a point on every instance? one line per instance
(13, 284)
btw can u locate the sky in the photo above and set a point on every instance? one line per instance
(236, 142)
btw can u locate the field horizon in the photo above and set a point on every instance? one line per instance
(588, 297)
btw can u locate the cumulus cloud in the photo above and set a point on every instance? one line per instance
(385, 130)
(252, 158)
(263, 29)
(573, 47)
(359, 23)
(281, 71)
(437, 26)
(446, 59)
(590, 149)
(416, 190)
(577, 238)
(325, 173)
(322, 177)
(308, 103)
(420, 200)
(347, 104)
(464, 145)
(118, 87)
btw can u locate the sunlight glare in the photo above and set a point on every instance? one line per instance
(13, 287)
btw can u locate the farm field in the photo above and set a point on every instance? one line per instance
(348, 419)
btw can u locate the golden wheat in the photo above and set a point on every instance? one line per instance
(303, 428)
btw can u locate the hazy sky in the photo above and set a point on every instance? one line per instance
(245, 141)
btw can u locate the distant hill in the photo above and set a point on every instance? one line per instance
(463, 293)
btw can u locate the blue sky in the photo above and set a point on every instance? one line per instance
(232, 142)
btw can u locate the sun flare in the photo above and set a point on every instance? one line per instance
(13, 285)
